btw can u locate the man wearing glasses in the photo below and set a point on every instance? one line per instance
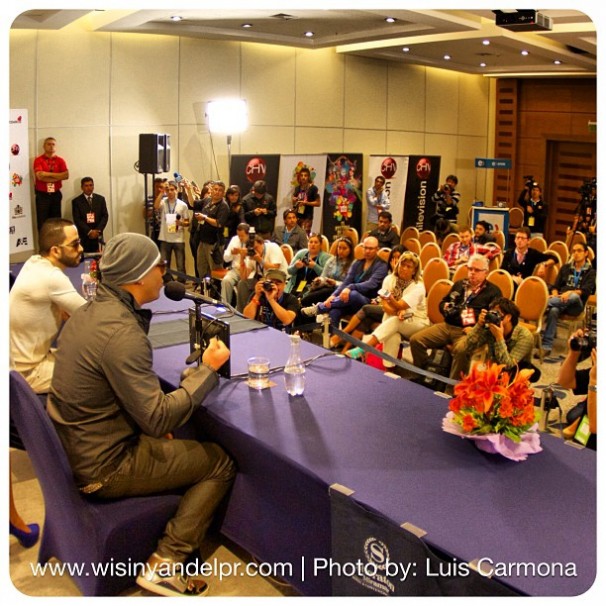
(41, 299)
(522, 260)
(461, 309)
(113, 417)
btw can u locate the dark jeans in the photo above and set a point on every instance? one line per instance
(158, 465)
(48, 206)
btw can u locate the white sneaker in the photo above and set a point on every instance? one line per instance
(311, 310)
(160, 581)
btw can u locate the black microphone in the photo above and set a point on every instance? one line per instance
(175, 291)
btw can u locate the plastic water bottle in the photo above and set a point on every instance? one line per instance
(294, 371)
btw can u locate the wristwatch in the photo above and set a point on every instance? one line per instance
(593, 388)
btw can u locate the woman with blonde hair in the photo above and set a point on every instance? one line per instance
(405, 308)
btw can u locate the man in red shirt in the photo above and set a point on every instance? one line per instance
(50, 170)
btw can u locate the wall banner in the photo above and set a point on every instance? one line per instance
(342, 194)
(21, 233)
(394, 170)
(422, 181)
(290, 165)
(245, 169)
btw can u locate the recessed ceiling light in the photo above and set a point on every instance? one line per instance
(485, 42)
(176, 18)
(405, 49)
(246, 25)
(482, 64)
(557, 62)
(447, 57)
(390, 19)
(524, 52)
(309, 34)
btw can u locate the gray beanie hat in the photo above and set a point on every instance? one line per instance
(127, 258)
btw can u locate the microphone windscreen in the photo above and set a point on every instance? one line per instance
(174, 290)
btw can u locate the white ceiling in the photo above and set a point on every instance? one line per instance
(429, 34)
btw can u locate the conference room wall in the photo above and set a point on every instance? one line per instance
(95, 92)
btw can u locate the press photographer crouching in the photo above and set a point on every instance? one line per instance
(583, 417)
(508, 342)
(270, 304)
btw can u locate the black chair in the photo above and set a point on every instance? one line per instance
(79, 530)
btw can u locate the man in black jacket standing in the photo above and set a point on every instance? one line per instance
(89, 211)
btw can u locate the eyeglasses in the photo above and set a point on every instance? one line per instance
(74, 244)
(370, 247)
(163, 265)
(475, 269)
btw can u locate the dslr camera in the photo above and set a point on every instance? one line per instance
(588, 341)
(446, 187)
(493, 316)
(453, 306)
(250, 250)
(529, 181)
(268, 285)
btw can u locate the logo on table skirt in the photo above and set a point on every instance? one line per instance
(388, 168)
(423, 168)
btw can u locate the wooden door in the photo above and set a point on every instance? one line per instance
(570, 163)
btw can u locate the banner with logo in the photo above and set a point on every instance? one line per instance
(246, 169)
(343, 193)
(373, 556)
(422, 181)
(21, 221)
(290, 165)
(394, 170)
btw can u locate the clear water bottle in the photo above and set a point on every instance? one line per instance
(294, 371)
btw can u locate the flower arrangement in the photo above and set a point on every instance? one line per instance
(496, 411)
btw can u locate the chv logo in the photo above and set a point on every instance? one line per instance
(423, 168)
(256, 169)
(389, 168)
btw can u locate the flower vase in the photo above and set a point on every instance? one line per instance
(495, 443)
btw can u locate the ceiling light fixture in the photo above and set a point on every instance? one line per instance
(176, 18)
(486, 42)
(390, 19)
(557, 62)
(405, 49)
(309, 34)
(447, 57)
(246, 25)
(524, 52)
(482, 64)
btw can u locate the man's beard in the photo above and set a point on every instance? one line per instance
(69, 261)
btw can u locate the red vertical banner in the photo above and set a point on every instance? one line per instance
(422, 181)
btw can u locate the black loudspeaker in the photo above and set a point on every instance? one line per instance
(154, 153)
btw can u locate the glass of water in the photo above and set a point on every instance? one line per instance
(258, 372)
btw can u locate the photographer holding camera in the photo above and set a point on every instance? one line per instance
(461, 308)
(447, 200)
(535, 209)
(581, 382)
(508, 342)
(270, 304)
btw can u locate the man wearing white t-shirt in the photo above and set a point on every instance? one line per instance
(41, 299)
(174, 216)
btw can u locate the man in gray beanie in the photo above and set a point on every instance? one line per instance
(113, 418)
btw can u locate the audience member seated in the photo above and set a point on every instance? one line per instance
(234, 251)
(368, 316)
(360, 285)
(112, 416)
(522, 260)
(267, 255)
(290, 233)
(385, 234)
(269, 302)
(507, 342)
(305, 266)
(333, 274)
(405, 308)
(482, 233)
(443, 228)
(573, 285)
(459, 253)
(582, 382)
(461, 308)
